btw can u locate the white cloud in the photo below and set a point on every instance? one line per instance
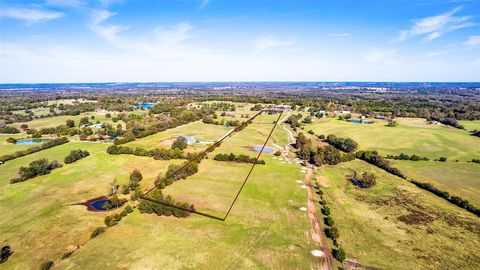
(435, 26)
(382, 57)
(340, 34)
(30, 15)
(473, 41)
(268, 42)
(106, 31)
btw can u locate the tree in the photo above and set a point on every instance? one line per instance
(70, 123)
(442, 159)
(84, 121)
(135, 178)
(5, 253)
(367, 180)
(180, 143)
(339, 254)
(392, 123)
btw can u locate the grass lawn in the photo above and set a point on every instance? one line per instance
(458, 178)
(411, 136)
(38, 219)
(395, 225)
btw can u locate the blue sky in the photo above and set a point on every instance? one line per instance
(239, 40)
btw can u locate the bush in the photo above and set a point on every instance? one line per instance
(277, 153)
(328, 221)
(135, 178)
(332, 233)
(46, 265)
(5, 253)
(76, 155)
(442, 159)
(367, 180)
(9, 130)
(11, 140)
(339, 254)
(97, 232)
(326, 210)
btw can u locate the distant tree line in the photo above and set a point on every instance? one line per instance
(76, 155)
(34, 149)
(34, 169)
(402, 156)
(237, 158)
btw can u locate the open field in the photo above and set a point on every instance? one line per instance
(458, 178)
(38, 218)
(60, 120)
(395, 225)
(265, 229)
(411, 136)
(470, 125)
(8, 148)
(202, 133)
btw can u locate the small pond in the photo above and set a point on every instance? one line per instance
(258, 148)
(31, 141)
(359, 122)
(145, 105)
(97, 204)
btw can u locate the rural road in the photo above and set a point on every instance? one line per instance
(316, 229)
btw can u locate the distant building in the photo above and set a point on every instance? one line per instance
(230, 113)
(341, 112)
(190, 139)
(99, 110)
(279, 108)
(382, 117)
(95, 126)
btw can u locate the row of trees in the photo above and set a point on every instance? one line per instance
(157, 153)
(167, 206)
(112, 220)
(34, 169)
(76, 155)
(330, 230)
(447, 121)
(344, 144)
(403, 156)
(465, 204)
(9, 130)
(34, 149)
(237, 158)
(373, 157)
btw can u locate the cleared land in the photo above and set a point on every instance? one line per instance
(458, 178)
(411, 136)
(60, 120)
(395, 225)
(39, 219)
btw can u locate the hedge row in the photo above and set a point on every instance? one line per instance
(157, 153)
(465, 204)
(239, 158)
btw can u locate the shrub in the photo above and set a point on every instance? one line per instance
(5, 253)
(9, 130)
(328, 221)
(97, 232)
(46, 265)
(367, 180)
(442, 159)
(135, 178)
(339, 254)
(332, 233)
(277, 153)
(326, 210)
(11, 140)
(76, 155)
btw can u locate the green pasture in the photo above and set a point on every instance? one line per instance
(60, 120)
(395, 225)
(458, 178)
(411, 136)
(39, 217)
(470, 125)
(8, 148)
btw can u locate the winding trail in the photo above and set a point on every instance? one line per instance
(316, 229)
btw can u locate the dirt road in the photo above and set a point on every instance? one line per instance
(316, 229)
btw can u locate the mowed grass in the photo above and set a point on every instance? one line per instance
(434, 234)
(411, 136)
(61, 120)
(265, 229)
(202, 133)
(38, 217)
(458, 178)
